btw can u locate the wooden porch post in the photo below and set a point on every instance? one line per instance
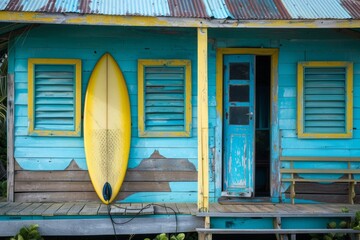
(10, 138)
(203, 127)
(203, 121)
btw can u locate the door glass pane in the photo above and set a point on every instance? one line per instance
(240, 71)
(239, 93)
(238, 116)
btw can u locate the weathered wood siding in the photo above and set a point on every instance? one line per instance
(43, 174)
(294, 46)
(53, 155)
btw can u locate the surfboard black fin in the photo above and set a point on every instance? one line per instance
(107, 191)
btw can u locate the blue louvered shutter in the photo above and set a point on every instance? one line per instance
(54, 97)
(324, 100)
(164, 98)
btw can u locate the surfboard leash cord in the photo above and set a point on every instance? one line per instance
(113, 222)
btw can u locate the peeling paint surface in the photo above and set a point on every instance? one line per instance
(239, 125)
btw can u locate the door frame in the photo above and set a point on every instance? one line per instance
(274, 119)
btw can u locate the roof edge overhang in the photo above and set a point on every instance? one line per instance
(144, 21)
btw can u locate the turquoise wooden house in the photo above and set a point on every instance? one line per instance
(245, 115)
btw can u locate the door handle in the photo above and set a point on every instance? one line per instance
(250, 114)
(226, 115)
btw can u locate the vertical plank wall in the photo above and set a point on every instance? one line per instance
(297, 45)
(54, 168)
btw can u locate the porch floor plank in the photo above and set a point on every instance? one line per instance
(15, 211)
(96, 208)
(160, 209)
(90, 209)
(75, 209)
(241, 208)
(42, 208)
(139, 209)
(193, 208)
(280, 210)
(183, 208)
(3, 204)
(8, 207)
(103, 209)
(52, 209)
(28, 210)
(118, 209)
(64, 209)
(170, 208)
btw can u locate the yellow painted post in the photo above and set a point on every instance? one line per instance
(203, 121)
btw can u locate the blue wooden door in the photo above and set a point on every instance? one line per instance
(239, 127)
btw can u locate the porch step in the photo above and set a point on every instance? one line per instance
(273, 231)
(275, 214)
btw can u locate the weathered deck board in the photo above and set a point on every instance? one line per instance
(64, 209)
(280, 210)
(118, 209)
(41, 209)
(14, 211)
(75, 209)
(103, 210)
(28, 210)
(183, 208)
(159, 209)
(95, 208)
(2, 204)
(7, 207)
(192, 207)
(139, 209)
(52, 209)
(90, 209)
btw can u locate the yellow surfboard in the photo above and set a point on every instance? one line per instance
(107, 128)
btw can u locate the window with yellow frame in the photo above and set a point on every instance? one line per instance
(325, 100)
(164, 98)
(54, 97)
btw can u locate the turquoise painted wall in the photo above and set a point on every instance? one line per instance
(89, 44)
(297, 45)
(127, 45)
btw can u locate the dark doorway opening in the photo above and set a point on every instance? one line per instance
(262, 127)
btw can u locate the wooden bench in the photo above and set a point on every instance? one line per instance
(348, 173)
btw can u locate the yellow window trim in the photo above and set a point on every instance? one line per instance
(349, 99)
(77, 121)
(142, 63)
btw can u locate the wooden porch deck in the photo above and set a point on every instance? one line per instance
(281, 210)
(91, 218)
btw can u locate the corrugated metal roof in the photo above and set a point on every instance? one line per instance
(353, 7)
(4, 3)
(256, 9)
(55, 6)
(188, 8)
(128, 7)
(218, 9)
(310, 9)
